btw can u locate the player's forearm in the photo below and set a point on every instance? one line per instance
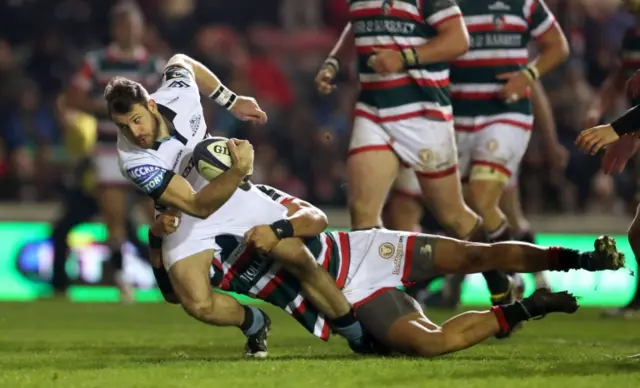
(217, 193)
(628, 122)
(341, 49)
(308, 222)
(554, 50)
(543, 114)
(206, 80)
(446, 46)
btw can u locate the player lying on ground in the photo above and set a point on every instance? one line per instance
(369, 265)
(156, 138)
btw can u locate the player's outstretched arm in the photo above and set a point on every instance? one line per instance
(543, 115)
(331, 66)
(244, 108)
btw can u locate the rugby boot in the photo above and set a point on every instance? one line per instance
(605, 256)
(256, 346)
(543, 302)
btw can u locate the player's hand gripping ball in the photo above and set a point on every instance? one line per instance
(216, 155)
(166, 223)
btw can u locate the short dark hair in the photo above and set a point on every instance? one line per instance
(122, 94)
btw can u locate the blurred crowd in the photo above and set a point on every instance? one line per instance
(271, 49)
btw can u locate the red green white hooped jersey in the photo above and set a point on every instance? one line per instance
(499, 32)
(240, 269)
(421, 91)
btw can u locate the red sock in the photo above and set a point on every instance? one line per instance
(502, 321)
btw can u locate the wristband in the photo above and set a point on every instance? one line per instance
(332, 62)
(531, 72)
(282, 229)
(224, 97)
(409, 56)
(628, 122)
(155, 242)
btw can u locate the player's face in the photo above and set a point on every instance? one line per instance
(141, 126)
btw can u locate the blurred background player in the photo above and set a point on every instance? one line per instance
(605, 100)
(79, 185)
(403, 115)
(125, 56)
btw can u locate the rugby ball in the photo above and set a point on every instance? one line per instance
(212, 157)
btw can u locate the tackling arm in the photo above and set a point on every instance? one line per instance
(451, 42)
(306, 220)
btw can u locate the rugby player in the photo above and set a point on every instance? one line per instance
(403, 116)
(125, 55)
(369, 266)
(156, 138)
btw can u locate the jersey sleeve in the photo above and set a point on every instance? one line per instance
(148, 175)
(178, 79)
(435, 12)
(276, 195)
(539, 17)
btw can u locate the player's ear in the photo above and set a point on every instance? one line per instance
(152, 106)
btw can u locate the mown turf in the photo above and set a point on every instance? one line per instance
(60, 344)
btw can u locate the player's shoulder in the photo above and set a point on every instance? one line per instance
(130, 156)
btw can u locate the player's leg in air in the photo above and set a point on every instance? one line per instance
(396, 320)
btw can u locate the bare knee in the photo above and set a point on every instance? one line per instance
(198, 308)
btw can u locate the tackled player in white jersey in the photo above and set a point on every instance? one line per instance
(157, 134)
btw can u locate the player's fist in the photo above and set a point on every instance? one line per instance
(262, 238)
(166, 223)
(516, 87)
(247, 109)
(594, 139)
(386, 61)
(324, 80)
(241, 155)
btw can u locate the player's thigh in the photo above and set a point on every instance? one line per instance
(190, 277)
(498, 151)
(372, 165)
(395, 319)
(404, 207)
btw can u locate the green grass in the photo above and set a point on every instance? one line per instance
(60, 344)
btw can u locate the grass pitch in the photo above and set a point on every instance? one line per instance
(61, 344)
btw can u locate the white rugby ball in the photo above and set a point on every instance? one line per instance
(212, 157)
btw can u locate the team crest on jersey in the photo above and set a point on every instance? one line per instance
(386, 250)
(387, 5)
(499, 22)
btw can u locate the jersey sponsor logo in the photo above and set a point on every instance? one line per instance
(178, 84)
(258, 264)
(194, 122)
(393, 27)
(189, 168)
(176, 72)
(147, 177)
(386, 250)
(397, 261)
(173, 100)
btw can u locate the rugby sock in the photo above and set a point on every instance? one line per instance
(116, 259)
(510, 315)
(253, 321)
(500, 234)
(525, 236)
(348, 327)
(563, 259)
